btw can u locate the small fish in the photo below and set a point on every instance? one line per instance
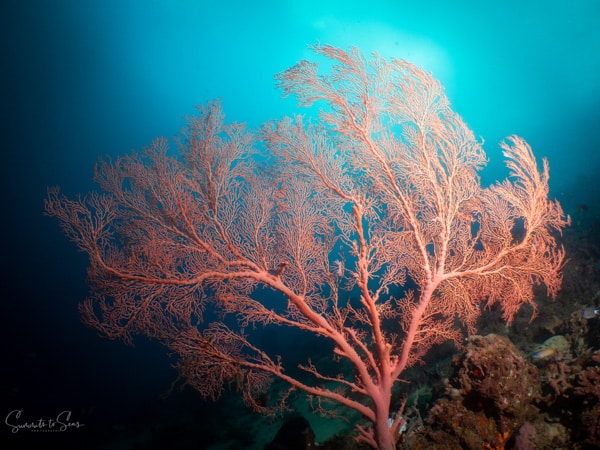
(590, 312)
(545, 353)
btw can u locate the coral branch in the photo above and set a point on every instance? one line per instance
(366, 228)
